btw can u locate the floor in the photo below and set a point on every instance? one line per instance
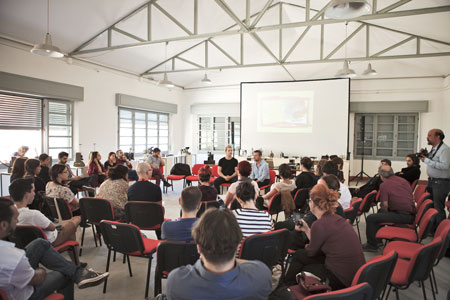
(122, 286)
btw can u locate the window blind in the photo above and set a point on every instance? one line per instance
(17, 112)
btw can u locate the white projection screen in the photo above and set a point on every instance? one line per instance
(298, 118)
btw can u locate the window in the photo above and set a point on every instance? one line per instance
(386, 135)
(215, 132)
(140, 130)
(59, 127)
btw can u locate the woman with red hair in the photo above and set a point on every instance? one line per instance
(209, 193)
(244, 169)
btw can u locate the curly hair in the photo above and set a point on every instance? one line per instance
(204, 174)
(244, 168)
(324, 198)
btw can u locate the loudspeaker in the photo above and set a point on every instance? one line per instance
(232, 133)
(363, 128)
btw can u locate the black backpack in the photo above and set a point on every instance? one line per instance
(181, 169)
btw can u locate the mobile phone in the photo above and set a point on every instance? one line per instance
(297, 217)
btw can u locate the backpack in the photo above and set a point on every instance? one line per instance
(181, 169)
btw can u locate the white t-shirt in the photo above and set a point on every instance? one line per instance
(233, 186)
(15, 272)
(346, 196)
(36, 218)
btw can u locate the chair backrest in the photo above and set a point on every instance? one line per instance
(426, 223)
(443, 231)
(352, 212)
(145, 215)
(422, 198)
(205, 205)
(367, 202)
(422, 260)
(63, 205)
(96, 209)
(362, 291)
(420, 189)
(24, 234)
(273, 177)
(275, 204)
(414, 184)
(214, 171)
(269, 247)
(422, 209)
(171, 255)
(377, 272)
(300, 198)
(196, 168)
(121, 237)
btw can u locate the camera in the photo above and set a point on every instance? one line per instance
(422, 153)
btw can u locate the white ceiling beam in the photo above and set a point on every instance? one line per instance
(393, 46)
(393, 6)
(172, 18)
(261, 13)
(232, 15)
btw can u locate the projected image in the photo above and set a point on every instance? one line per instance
(288, 111)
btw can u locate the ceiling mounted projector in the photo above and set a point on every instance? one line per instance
(347, 9)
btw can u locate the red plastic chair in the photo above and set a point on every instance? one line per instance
(422, 198)
(195, 169)
(421, 210)
(362, 291)
(414, 184)
(273, 177)
(274, 207)
(420, 189)
(54, 296)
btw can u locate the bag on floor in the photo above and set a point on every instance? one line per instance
(311, 285)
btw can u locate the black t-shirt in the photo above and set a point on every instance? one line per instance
(306, 180)
(44, 174)
(228, 165)
(144, 191)
(410, 173)
(107, 165)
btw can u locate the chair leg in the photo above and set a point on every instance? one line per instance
(147, 283)
(129, 265)
(432, 288)
(124, 257)
(95, 235)
(434, 280)
(157, 282)
(423, 290)
(359, 233)
(114, 256)
(107, 269)
(396, 294)
(82, 241)
(388, 292)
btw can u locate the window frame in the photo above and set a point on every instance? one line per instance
(395, 140)
(46, 125)
(212, 132)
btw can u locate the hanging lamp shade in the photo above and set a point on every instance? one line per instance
(206, 80)
(166, 82)
(346, 72)
(347, 9)
(47, 48)
(369, 71)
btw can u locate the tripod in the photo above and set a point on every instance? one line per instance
(363, 139)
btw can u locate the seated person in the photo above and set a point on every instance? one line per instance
(21, 151)
(180, 230)
(74, 182)
(412, 170)
(330, 168)
(32, 170)
(334, 252)
(20, 274)
(111, 162)
(218, 274)
(121, 159)
(306, 179)
(226, 169)
(371, 185)
(340, 163)
(285, 185)
(22, 192)
(260, 169)
(209, 193)
(44, 174)
(95, 169)
(115, 189)
(155, 160)
(143, 189)
(244, 169)
(318, 170)
(18, 168)
(57, 189)
(250, 219)
(397, 206)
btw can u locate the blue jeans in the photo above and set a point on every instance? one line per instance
(439, 189)
(64, 273)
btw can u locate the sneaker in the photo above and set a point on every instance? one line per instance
(91, 278)
(369, 248)
(166, 184)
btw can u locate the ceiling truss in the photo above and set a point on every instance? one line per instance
(250, 27)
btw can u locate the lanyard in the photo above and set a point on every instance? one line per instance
(434, 153)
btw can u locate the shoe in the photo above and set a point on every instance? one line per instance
(166, 184)
(369, 248)
(91, 278)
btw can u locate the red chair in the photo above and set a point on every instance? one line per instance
(300, 199)
(362, 291)
(414, 184)
(54, 296)
(418, 268)
(128, 240)
(407, 234)
(194, 176)
(274, 207)
(352, 212)
(161, 169)
(421, 210)
(273, 177)
(145, 215)
(377, 272)
(422, 198)
(214, 173)
(420, 189)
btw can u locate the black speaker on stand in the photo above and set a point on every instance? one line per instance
(360, 175)
(232, 136)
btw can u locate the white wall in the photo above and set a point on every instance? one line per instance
(95, 118)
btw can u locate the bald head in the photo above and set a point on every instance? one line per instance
(385, 171)
(144, 171)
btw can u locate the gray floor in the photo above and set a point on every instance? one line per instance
(122, 286)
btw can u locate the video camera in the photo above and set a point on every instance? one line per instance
(422, 153)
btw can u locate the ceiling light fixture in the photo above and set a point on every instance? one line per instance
(347, 9)
(369, 71)
(206, 80)
(47, 48)
(166, 82)
(346, 72)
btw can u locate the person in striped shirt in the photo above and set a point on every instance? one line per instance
(250, 219)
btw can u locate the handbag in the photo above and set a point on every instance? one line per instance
(311, 284)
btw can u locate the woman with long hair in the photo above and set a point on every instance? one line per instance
(111, 162)
(412, 170)
(95, 169)
(18, 168)
(56, 188)
(32, 170)
(115, 189)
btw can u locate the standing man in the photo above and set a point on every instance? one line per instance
(438, 171)
(155, 161)
(226, 169)
(121, 159)
(260, 169)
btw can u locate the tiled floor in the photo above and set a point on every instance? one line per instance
(122, 286)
